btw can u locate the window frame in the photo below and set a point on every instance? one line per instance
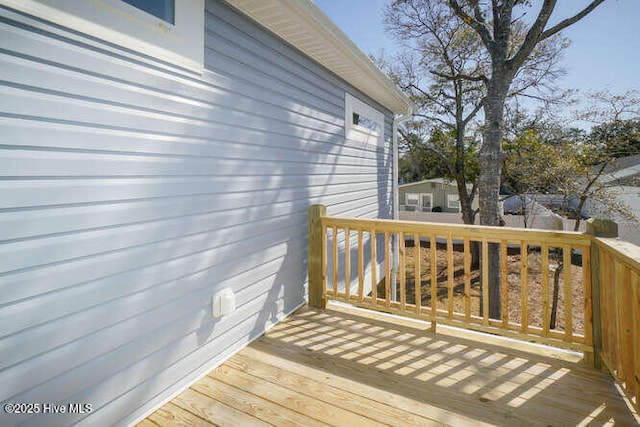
(173, 13)
(406, 199)
(361, 133)
(430, 195)
(453, 198)
(120, 23)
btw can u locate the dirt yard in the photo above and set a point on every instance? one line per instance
(514, 262)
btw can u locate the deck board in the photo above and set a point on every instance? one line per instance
(251, 404)
(343, 366)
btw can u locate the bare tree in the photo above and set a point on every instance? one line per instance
(494, 23)
(506, 57)
(441, 50)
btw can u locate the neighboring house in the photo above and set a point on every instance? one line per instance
(151, 159)
(628, 229)
(624, 171)
(431, 195)
(623, 178)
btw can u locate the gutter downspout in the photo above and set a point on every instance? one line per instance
(396, 198)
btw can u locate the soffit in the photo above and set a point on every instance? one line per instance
(302, 24)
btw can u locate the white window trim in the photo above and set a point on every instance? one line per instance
(453, 202)
(120, 23)
(430, 196)
(361, 133)
(408, 195)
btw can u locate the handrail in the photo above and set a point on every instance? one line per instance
(496, 234)
(350, 261)
(335, 271)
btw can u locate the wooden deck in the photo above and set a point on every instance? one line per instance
(349, 367)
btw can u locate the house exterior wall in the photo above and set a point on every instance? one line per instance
(439, 191)
(133, 191)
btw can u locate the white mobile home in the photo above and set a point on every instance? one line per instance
(431, 195)
(152, 157)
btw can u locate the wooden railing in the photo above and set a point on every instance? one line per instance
(452, 292)
(617, 281)
(591, 283)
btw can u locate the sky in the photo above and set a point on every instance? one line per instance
(604, 51)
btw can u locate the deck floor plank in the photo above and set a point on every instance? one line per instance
(251, 404)
(293, 399)
(406, 407)
(172, 415)
(326, 390)
(214, 411)
(344, 366)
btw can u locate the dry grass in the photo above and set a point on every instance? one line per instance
(514, 277)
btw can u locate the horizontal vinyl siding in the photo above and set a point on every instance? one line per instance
(131, 192)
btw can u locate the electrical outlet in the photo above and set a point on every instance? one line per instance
(224, 302)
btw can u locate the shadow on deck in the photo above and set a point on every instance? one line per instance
(344, 366)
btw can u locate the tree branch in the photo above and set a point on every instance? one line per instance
(477, 25)
(533, 35)
(461, 76)
(442, 156)
(434, 118)
(434, 150)
(564, 24)
(537, 32)
(473, 113)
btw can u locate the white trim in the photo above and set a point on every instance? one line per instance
(125, 25)
(184, 383)
(421, 205)
(406, 199)
(442, 181)
(360, 133)
(302, 24)
(396, 194)
(453, 198)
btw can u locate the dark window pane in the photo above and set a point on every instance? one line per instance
(366, 122)
(163, 9)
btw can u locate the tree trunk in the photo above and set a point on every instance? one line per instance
(489, 183)
(468, 217)
(556, 296)
(583, 199)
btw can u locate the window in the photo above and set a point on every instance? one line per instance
(168, 30)
(366, 122)
(362, 122)
(426, 202)
(453, 202)
(411, 199)
(163, 9)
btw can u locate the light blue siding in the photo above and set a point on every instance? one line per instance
(132, 191)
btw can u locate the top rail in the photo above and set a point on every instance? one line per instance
(474, 232)
(624, 252)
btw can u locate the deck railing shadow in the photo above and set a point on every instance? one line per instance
(461, 372)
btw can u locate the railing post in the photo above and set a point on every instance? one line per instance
(598, 227)
(317, 243)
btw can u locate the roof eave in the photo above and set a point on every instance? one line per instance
(302, 24)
